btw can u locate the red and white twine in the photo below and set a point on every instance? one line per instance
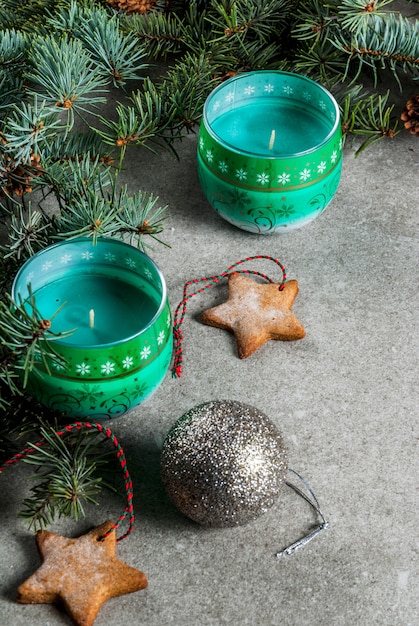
(180, 312)
(77, 426)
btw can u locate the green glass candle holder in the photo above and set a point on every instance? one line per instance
(270, 150)
(115, 298)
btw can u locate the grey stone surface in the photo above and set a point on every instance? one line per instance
(345, 399)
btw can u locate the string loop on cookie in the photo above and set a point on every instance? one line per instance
(210, 281)
(77, 426)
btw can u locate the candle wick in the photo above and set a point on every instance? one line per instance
(272, 140)
(92, 318)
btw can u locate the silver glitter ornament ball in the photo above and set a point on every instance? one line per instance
(223, 463)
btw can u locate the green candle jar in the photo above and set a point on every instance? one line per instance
(270, 150)
(115, 298)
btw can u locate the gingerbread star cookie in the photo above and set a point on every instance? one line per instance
(80, 573)
(256, 313)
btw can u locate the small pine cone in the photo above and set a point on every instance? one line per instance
(410, 115)
(133, 6)
(18, 180)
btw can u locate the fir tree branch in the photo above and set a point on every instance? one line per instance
(359, 15)
(363, 115)
(257, 20)
(75, 147)
(26, 340)
(13, 49)
(71, 177)
(373, 120)
(65, 16)
(348, 98)
(135, 124)
(139, 220)
(389, 43)
(158, 34)
(159, 114)
(320, 61)
(10, 89)
(186, 88)
(116, 56)
(28, 233)
(90, 216)
(64, 75)
(113, 214)
(26, 15)
(67, 477)
(314, 20)
(28, 128)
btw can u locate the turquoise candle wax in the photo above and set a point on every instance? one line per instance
(100, 309)
(114, 299)
(270, 150)
(249, 128)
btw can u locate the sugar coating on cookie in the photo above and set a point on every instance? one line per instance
(81, 574)
(256, 313)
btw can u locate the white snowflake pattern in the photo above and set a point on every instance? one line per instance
(223, 166)
(130, 262)
(109, 256)
(288, 90)
(87, 255)
(229, 97)
(59, 366)
(307, 95)
(108, 367)
(322, 105)
(148, 273)
(305, 174)
(210, 156)
(160, 337)
(169, 321)
(341, 143)
(30, 277)
(321, 167)
(83, 369)
(201, 143)
(127, 362)
(334, 156)
(284, 178)
(46, 266)
(216, 105)
(66, 258)
(145, 352)
(262, 178)
(241, 174)
(269, 88)
(249, 90)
